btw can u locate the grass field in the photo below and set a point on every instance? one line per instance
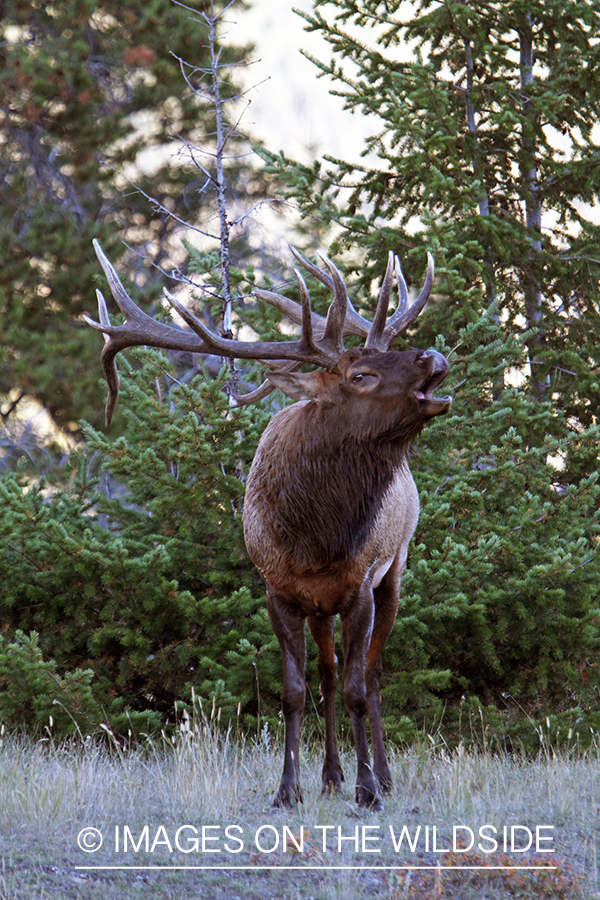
(205, 800)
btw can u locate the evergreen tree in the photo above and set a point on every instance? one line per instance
(91, 95)
(483, 149)
(129, 585)
(499, 605)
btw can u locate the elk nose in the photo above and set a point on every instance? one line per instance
(440, 363)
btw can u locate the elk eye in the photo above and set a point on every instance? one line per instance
(357, 378)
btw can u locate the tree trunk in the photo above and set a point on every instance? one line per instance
(530, 276)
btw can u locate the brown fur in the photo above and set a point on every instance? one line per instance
(330, 509)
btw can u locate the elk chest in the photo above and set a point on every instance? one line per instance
(320, 527)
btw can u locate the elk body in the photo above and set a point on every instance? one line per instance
(330, 504)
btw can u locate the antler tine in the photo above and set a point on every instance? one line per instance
(320, 274)
(354, 323)
(188, 317)
(260, 393)
(104, 325)
(111, 375)
(402, 288)
(306, 333)
(124, 301)
(402, 319)
(138, 329)
(107, 358)
(267, 387)
(306, 338)
(380, 318)
(334, 327)
(291, 309)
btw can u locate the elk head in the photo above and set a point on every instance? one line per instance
(354, 376)
(374, 390)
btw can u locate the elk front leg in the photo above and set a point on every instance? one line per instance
(322, 630)
(357, 623)
(386, 605)
(289, 626)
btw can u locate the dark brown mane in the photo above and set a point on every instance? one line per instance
(348, 475)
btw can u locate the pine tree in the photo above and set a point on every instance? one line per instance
(499, 605)
(482, 150)
(92, 94)
(129, 584)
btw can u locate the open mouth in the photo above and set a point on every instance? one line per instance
(428, 404)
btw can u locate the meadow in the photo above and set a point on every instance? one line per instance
(202, 798)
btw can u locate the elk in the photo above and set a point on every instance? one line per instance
(330, 504)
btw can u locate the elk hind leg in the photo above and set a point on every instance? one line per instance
(322, 630)
(289, 627)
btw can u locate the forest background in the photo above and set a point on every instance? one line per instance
(125, 589)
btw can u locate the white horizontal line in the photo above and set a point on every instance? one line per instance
(323, 868)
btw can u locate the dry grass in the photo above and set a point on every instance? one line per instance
(49, 793)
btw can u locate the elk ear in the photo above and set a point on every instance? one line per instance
(304, 385)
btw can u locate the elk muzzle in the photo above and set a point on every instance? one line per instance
(436, 368)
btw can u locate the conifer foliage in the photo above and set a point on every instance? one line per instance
(91, 97)
(499, 605)
(484, 152)
(126, 585)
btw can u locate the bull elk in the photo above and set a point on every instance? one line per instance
(330, 502)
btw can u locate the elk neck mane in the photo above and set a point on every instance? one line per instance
(327, 483)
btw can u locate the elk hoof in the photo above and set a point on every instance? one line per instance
(331, 787)
(288, 797)
(367, 799)
(332, 780)
(385, 782)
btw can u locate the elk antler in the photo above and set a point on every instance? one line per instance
(141, 329)
(321, 340)
(379, 333)
(138, 329)
(405, 315)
